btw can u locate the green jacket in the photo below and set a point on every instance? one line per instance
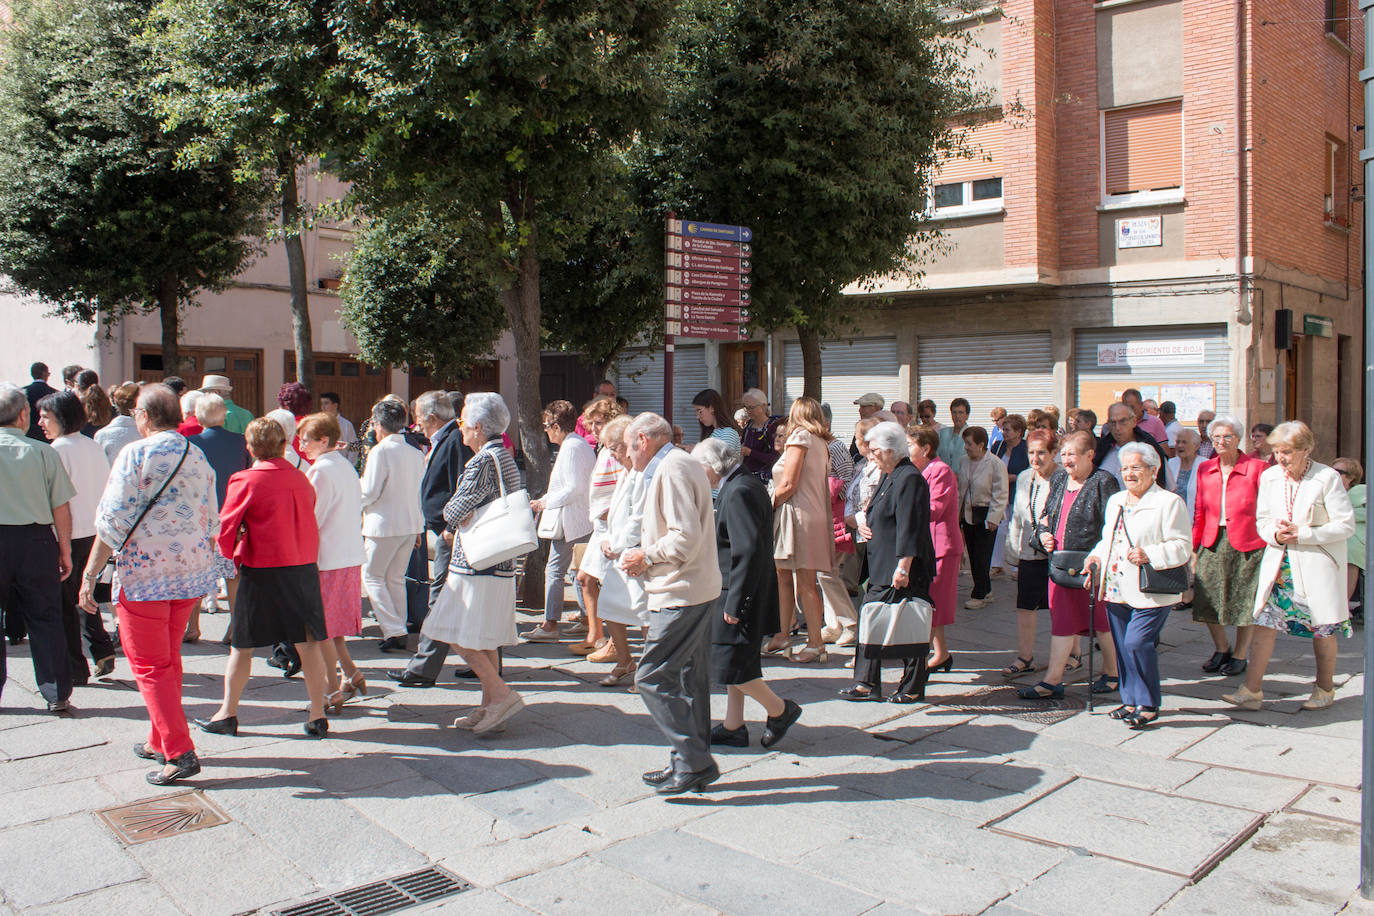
(236, 418)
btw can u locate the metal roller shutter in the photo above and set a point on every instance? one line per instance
(640, 381)
(849, 368)
(1187, 365)
(1011, 371)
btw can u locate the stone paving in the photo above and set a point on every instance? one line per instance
(945, 807)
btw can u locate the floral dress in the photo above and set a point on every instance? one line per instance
(1287, 611)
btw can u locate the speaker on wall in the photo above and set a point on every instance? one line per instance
(1283, 329)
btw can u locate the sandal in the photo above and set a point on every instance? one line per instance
(773, 647)
(1144, 718)
(1042, 691)
(906, 698)
(1022, 666)
(1106, 684)
(810, 655)
(861, 693)
(1075, 664)
(1122, 712)
(619, 676)
(334, 702)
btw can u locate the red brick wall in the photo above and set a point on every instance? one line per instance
(1209, 129)
(1030, 182)
(1076, 126)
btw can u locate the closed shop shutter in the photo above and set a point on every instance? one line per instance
(1011, 371)
(1143, 147)
(1187, 365)
(640, 382)
(848, 369)
(986, 143)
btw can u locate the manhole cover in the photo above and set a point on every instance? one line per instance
(1003, 701)
(385, 896)
(156, 818)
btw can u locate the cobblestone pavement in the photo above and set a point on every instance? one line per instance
(965, 804)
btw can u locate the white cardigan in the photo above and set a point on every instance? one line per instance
(1171, 472)
(1021, 524)
(569, 486)
(338, 511)
(391, 489)
(1325, 520)
(1158, 524)
(983, 483)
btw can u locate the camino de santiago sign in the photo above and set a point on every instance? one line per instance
(708, 280)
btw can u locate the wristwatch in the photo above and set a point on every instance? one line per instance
(90, 577)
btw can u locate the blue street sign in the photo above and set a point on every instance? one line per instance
(691, 228)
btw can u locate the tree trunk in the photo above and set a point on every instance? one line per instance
(295, 262)
(168, 306)
(810, 340)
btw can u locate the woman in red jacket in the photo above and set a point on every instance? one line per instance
(1227, 545)
(923, 443)
(267, 524)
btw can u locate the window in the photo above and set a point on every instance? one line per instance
(972, 185)
(1142, 152)
(350, 370)
(324, 367)
(215, 363)
(1337, 19)
(1336, 197)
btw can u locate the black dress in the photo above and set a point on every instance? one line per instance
(744, 547)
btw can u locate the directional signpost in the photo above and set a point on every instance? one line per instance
(708, 282)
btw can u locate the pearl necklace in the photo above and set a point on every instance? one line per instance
(1291, 487)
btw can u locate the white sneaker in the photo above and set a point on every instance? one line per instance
(974, 604)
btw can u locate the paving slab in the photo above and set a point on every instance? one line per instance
(44, 738)
(1281, 752)
(144, 898)
(495, 863)
(29, 852)
(1240, 789)
(587, 887)
(1112, 887)
(44, 802)
(1326, 801)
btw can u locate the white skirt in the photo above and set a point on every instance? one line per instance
(474, 612)
(593, 560)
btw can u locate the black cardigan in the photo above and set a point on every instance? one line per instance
(899, 516)
(1083, 528)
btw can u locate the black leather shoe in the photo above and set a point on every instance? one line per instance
(861, 694)
(188, 764)
(689, 782)
(465, 673)
(141, 751)
(392, 644)
(1234, 666)
(658, 777)
(730, 737)
(946, 665)
(317, 728)
(105, 667)
(61, 708)
(293, 667)
(406, 679)
(1213, 664)
(775, 728)
(225, 726)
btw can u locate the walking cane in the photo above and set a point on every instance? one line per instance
(1092, 630)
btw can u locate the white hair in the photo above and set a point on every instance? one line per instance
(754, 398)
(436, 404)
(1228, 421)
(12, 403)
(887, 435)
(717, 455)
(1143, 451)
(1189, 434)
(488, 410)
(189, 400)
(285, 419)
(210, 409)
(651, 426)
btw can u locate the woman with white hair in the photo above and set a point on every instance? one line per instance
(1304, 516)
(760, 429)
(1181, 469)
(901, 563)
(189, 426)
(475, 611)
(748, 605)
(287, 421)
(1143, 525)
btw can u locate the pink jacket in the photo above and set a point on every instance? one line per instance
(944, 509)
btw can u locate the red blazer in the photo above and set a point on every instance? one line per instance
(944, 509)
(268, 517)
(1242, 487)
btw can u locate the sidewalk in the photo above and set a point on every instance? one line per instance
(968, 804)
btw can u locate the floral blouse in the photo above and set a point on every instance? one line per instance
(171, 556)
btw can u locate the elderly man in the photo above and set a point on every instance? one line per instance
(443, 466)
(236, 419)
(951, 449)
(678, 563)
(868, 405)
(35, 497)
(1120, 429)
(902, 411)
(1204, 420)
(1144, 421)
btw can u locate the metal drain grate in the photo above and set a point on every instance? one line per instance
(1003, 701)
(157, 818)
(383, 896)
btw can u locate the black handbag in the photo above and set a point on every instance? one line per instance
(103, 590)
(1068, 568)
(1171, 580)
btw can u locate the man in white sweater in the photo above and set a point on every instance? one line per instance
(682, 579)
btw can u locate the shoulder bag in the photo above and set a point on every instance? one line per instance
(103, 591)
(892, 627)
(1068, 568)
(500, 530)
(1172, 580)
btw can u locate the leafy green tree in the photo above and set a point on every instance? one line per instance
(95, 214)
(817, 123)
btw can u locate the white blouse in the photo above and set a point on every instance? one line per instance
(391, 489)
(89, 469)
(338, 511)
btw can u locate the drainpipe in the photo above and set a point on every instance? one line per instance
(1243, 315)
(1367, 158)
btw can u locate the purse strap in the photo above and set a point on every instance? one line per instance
(500, 479)
(156, 496)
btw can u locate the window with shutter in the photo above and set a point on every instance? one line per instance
(1142, 149)
(970, 185)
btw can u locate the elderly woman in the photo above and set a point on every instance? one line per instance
(748, 605)
(1305, 518)
(228, 454)
(269, 530)
(606, 473)
(901, 563)
(1227, 544)
(714, 417)
(803, 527)
(565, 516)
(857, 496)
(121, 430)
(1146, 524)
(339, 517)
(1182, 468)
(923, 443)
(1072, 520)
(475, 611)
(62, 418)
(164, 563)
(392, 519)
(756, 439)
(1352, 475)
(983, 496)
(1260, 447)
(1023, 550)
(189, 426)
(1010, 447)
(284, 418)
(623, 521)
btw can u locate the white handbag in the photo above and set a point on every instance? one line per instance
(893, 623)
(551, 524)
(501, 530)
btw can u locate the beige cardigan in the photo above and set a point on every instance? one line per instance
(679, 535)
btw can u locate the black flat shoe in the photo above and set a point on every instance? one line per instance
(905, 699)
(226, 726)
(946, 665)
(1106, 684)
(775, 727)
(1234, 666)
(1213, 664)
(465, 673)
(392, 644)
(105, 667)
(730, 737)
(1122, 712)
(317, 728)
(188, 764)
(657, 777)
(689, 782)
(406, 679)
(141, 751)
(1143, 718)
(293, 668)
(861, 695)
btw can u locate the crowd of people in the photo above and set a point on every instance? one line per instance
(154, 498)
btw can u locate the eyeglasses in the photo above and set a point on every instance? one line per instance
(550, 425)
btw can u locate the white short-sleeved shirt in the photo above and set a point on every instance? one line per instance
(89, 469)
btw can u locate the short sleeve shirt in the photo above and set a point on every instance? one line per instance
(33, 481)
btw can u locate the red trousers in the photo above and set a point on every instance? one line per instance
(150, 633)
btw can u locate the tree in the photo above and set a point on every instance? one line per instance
(817, 123)
(500, 111)
(264, 82)
(96, 216)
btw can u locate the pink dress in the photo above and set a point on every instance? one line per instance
(949, 543)
(342, 591)
(807, 512)
(1069, 606)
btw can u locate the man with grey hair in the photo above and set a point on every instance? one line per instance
(1204, 421)
(35, 501)
(677, 560)
(1122, 427)
(901, 410)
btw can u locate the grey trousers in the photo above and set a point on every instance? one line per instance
(428, 660)
(674, 680)
(560, 558)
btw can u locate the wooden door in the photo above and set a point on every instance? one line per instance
(243, 368)
(742, 368)
(483, 375)
(358, 384)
